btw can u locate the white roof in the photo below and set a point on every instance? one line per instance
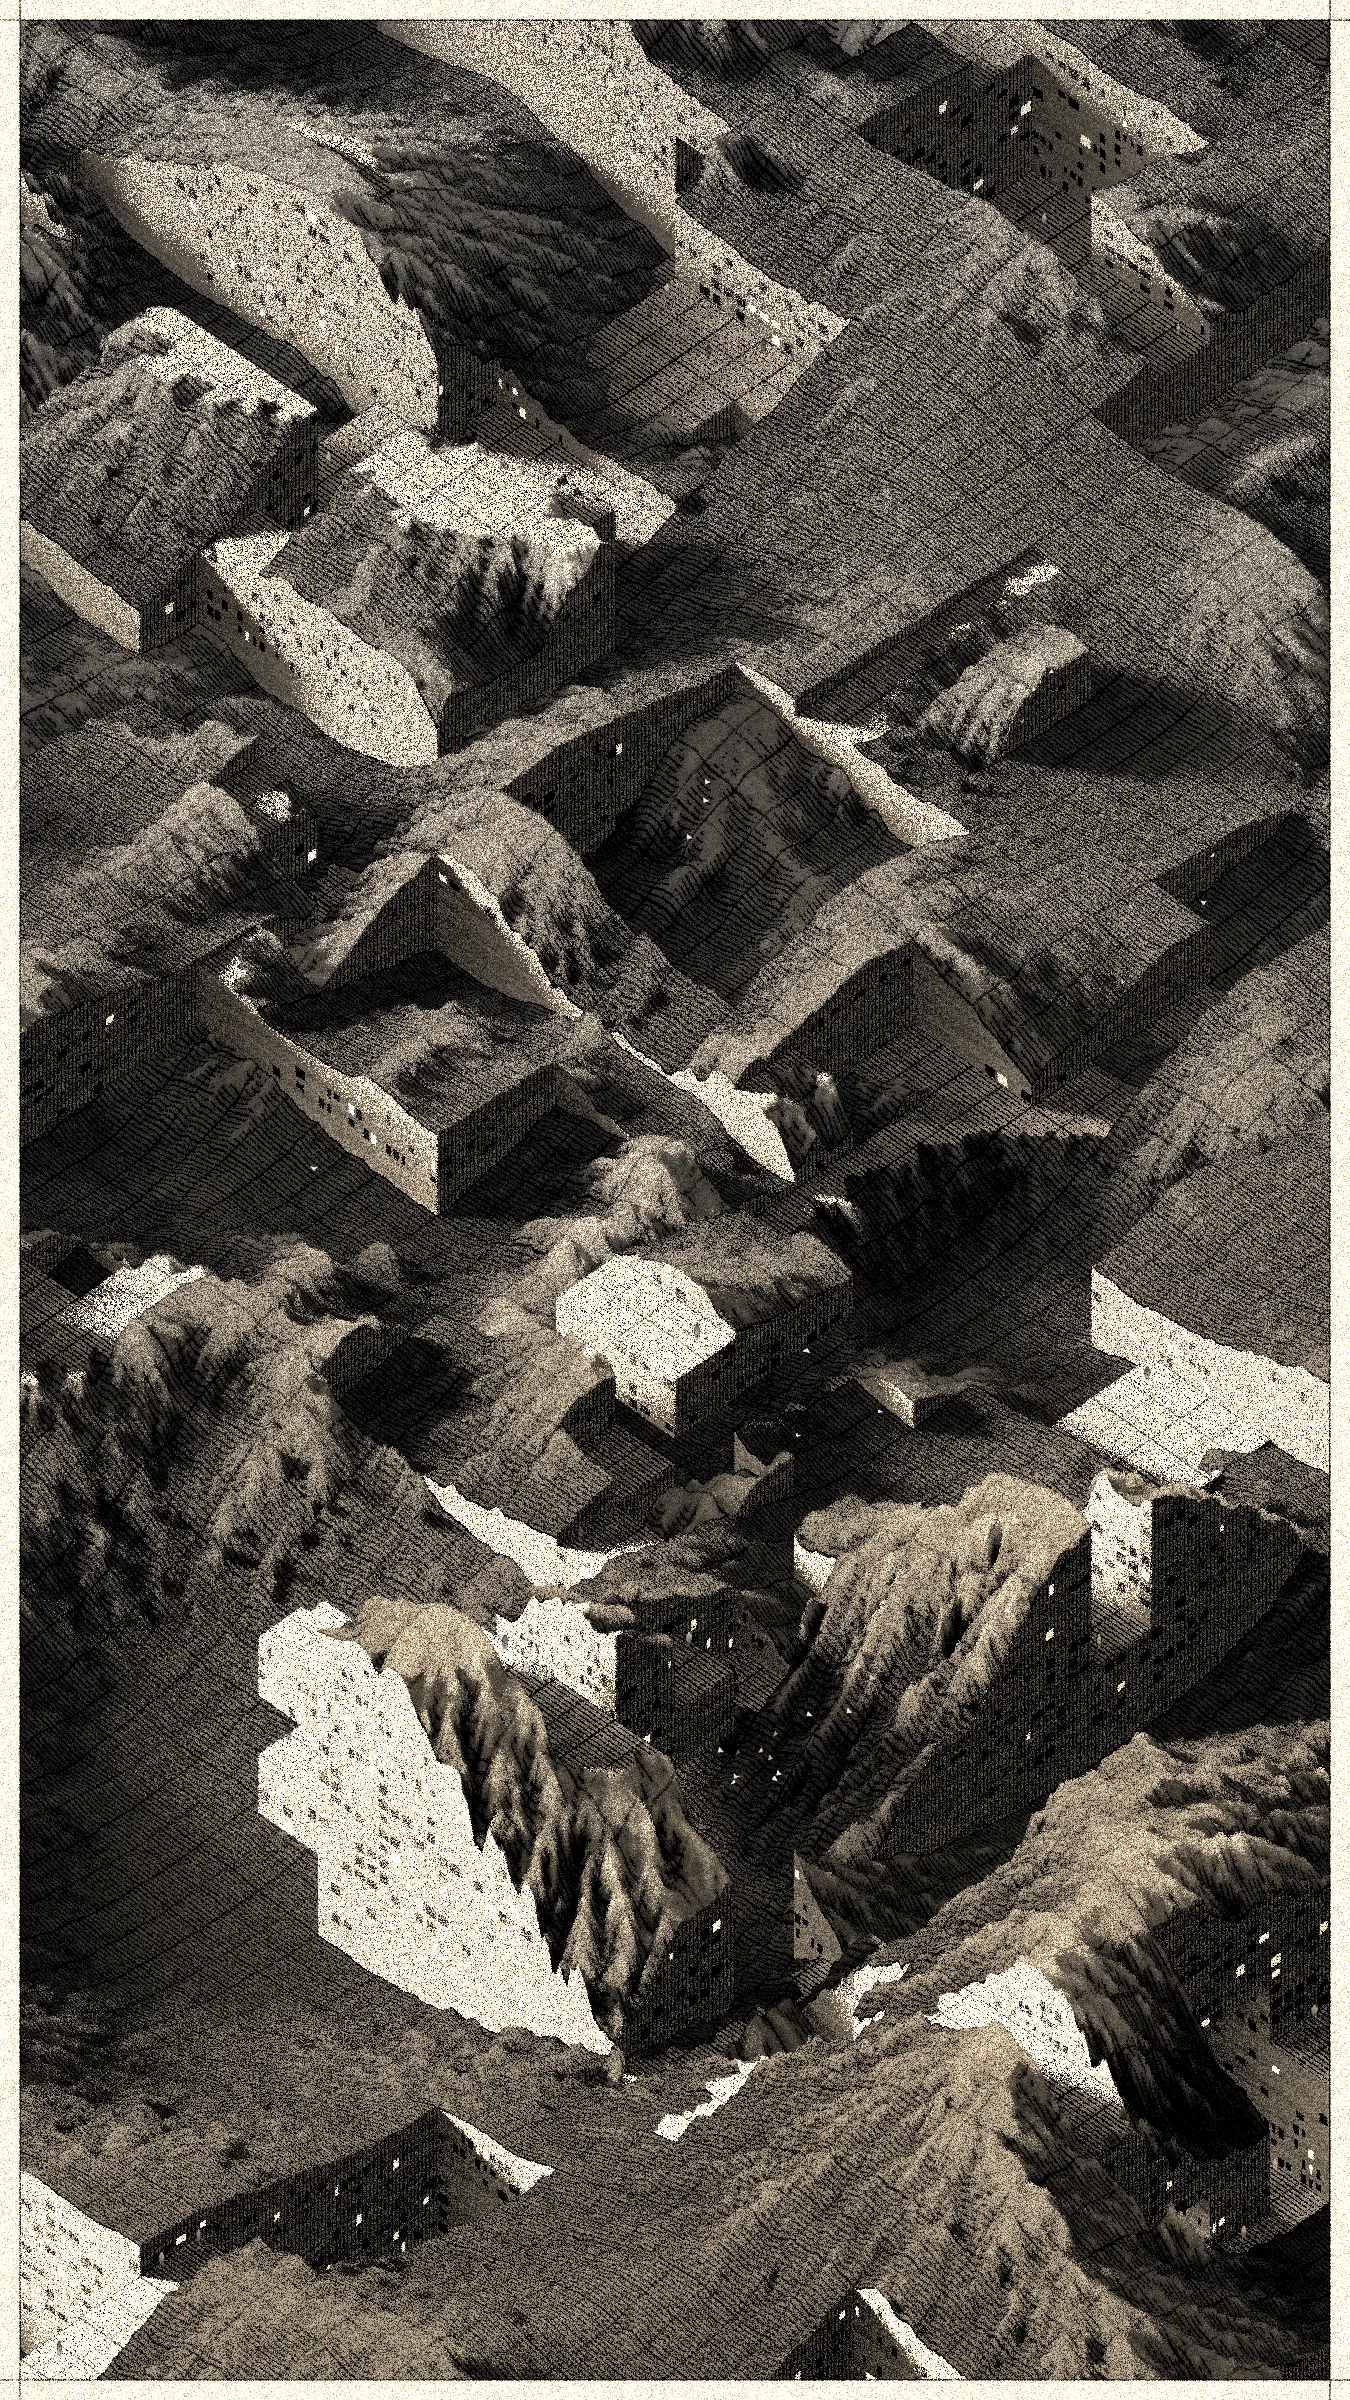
(642, 1312)
(127, 1294)
(468, 490)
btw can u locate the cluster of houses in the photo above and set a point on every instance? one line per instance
(224, 513)
(408, 595)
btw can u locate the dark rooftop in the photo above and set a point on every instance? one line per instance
(1240, 1254)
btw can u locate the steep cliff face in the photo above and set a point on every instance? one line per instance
(1034, 2263)
(921, 1611)
(55, 324)
(205, 1459)
(609, 1855)
(450, 607)
(549, 897)
(1229, 1825)
(199, 860)
(1253, 1070)
(447, 202)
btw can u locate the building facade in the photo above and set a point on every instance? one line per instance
(674, 1359)
(403, 1886)
(431, 1163)
(1081, 1678)
(65, 1059)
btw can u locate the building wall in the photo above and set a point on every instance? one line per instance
(888, 2350)
(1060, 690)
(405, 927)
(949, 1018)
(1172, 324)
(641, 1320)
(1076, 143)
(1122, 1543)
(351, 1110)
(481, 1140)
(1059, 1706)
(470, 930)
(689, 1983)
(861, 2339)
(902, 1395)
(1072, 96)
(971, 137)
(812, 1568)
(478, 2175)
(632, 1676)
(862, 1015)
(485, 401)
(1241, 342)
(95, 602)
(757, 1351)
(284, 261)
(644, 1686)
(1280, 1404)
(587, 785)
(290, 840)
(287, 487)
(815, 1944)
(175, 610)
(371, 2204)
(581, 633)
(85, 2350)
(685, 1706)
(706, 1624)
(403, 1888)
(555, 1637)
(827, 2354)
(773, 1482)
(467, 385)
(1194, 878)
(1278, 1960)
(69, 2264)
(1293, 2093)
(64, 1060)
(306, 656)
(1181, 971)
(1234, 2190)
(592, 1413)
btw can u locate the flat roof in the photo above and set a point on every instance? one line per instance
(647, 1313)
